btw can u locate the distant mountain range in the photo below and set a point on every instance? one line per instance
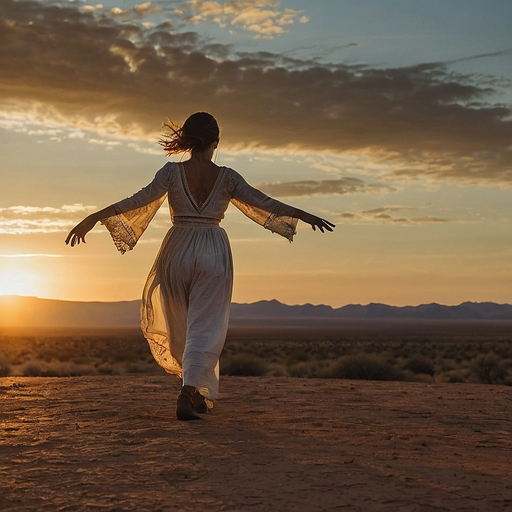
(35, 312)
(464, 311)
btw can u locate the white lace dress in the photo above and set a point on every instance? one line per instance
(187, 296)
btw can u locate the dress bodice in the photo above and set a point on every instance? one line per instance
(134, 213)
(182, 205)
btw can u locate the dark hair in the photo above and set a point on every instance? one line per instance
(198, 133)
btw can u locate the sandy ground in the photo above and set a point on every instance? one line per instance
(278, 444)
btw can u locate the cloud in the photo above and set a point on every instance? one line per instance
(482, 56)
(107, 144)
(384, 215)
(37, 255)
(92, 70)
(262, 17)
(145, 150)
(310, 188)
(16, 211)
(22, 220)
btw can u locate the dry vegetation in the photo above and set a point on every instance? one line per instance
(64, 353)
(377, 350)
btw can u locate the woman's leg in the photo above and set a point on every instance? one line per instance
(208, 314)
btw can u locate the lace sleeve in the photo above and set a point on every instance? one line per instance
(134, 213)
(262, 209)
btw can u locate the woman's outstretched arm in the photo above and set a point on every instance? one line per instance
(313, 220)
(269, 212)
(77, 234)
(154, 193)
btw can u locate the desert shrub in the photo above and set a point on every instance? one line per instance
(123, 355)
(402, 350)
(263, 351)
(452, 352)
(489, 369)
(32, 369)
(5, 367)
(21, 357)
(276, 370)
(64, 370)
(419, 377)
(447, 365)
(304, 369)
(107, 369)
(64, 354)
(297, 355)
(36, 369)
(134, 368)
(420, 364)
(243, 365)
(362, 367)
(81, 360)
(454, 376)
(504, 350)
(319, 350)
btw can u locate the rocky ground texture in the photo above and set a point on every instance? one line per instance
(270, 444)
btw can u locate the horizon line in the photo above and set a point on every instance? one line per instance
(12, 295)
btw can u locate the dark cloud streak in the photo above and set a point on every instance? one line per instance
(95, 71)
(321, 187)
(384, 215)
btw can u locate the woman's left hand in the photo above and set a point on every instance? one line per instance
(314, 221)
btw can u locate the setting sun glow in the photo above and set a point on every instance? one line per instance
(18, 282)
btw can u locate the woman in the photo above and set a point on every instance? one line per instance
(187, 296)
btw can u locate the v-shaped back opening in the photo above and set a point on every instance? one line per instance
(198, 205)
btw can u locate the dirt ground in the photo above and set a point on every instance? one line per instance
(270, 444)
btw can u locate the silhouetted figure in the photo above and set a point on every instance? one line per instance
(187, 296)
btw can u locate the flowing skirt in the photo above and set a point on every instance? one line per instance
(186, 302)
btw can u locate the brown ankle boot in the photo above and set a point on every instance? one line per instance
(184, 407)
(199, 403)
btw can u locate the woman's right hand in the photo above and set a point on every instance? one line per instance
(77, 234)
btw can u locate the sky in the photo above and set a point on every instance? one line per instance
(390, 118)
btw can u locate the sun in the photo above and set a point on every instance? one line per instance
(18, 282)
